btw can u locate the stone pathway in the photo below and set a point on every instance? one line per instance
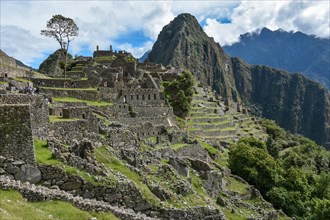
(41, 193)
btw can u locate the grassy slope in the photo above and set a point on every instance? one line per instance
(14, 206)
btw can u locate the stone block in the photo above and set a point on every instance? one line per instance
(28, 173)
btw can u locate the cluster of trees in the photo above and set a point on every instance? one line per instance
(291, 172)
(179, 93)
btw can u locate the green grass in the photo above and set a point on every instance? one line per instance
(196, 183)
(77, 89)
(212, 151)
(90, 103)
(236, 186)
(43, 154)
(223, 158)
(3, 83)
(233, 216)
(55, 118)
(14, 206)
(19, 79)
(178, 146)
(152, 139)
(103, 156)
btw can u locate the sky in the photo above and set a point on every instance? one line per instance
(134, 25)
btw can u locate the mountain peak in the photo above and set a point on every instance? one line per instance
(183, 43)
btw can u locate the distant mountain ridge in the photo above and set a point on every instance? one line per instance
(295, 102)
(144, 56)
(291, 51)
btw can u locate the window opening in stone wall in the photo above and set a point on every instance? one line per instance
(155, 96)
(148, 96)
(83, 116)
(137, 97)
(131, 97)
(142, 97)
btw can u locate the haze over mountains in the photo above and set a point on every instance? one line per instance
(295, 102)
(294, 52)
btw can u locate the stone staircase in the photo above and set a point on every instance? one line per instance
(35, 193)
(211, 120)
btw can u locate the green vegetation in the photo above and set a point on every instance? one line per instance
(90, 103)
(292, 172)
(103, 156)
(54, 118)
(178, 146)
(14, 206)
(43, 154)
(223, 158)
(179, 93)
(236, 186)
(196, 183)
(20, 79)
(210, 149)
(77, 89)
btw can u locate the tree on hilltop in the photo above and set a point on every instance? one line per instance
(64, 30)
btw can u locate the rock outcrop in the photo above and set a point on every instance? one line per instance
(54, 64)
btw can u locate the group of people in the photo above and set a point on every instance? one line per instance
(67, 85)
(32, 90)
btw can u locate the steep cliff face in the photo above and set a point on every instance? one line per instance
(294, 52)
(295, 102)
(183, 43)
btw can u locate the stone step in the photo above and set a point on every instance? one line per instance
(209, 126)
(211, 119)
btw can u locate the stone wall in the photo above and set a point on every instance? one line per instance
(92, 95)
(58, 83)
(16, 139)
(142, 97)
(12, 72)
(77, 112)
(39, 111)
(108, 94)
(75, 129)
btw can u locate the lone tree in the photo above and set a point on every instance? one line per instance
(64, 30)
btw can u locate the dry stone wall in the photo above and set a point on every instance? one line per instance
(12, 72)
(16, 139)
(39, 111)
(75, 129)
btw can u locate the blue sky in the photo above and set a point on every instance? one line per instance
(135, 25)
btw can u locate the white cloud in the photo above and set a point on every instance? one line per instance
(24, 45)
(102, 22)
(136, 51)
(311, 17)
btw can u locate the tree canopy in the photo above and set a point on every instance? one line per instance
(63, 29)
(292, 172)
(179, 93)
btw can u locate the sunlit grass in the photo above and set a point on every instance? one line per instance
(14, 206)
(90, 103)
